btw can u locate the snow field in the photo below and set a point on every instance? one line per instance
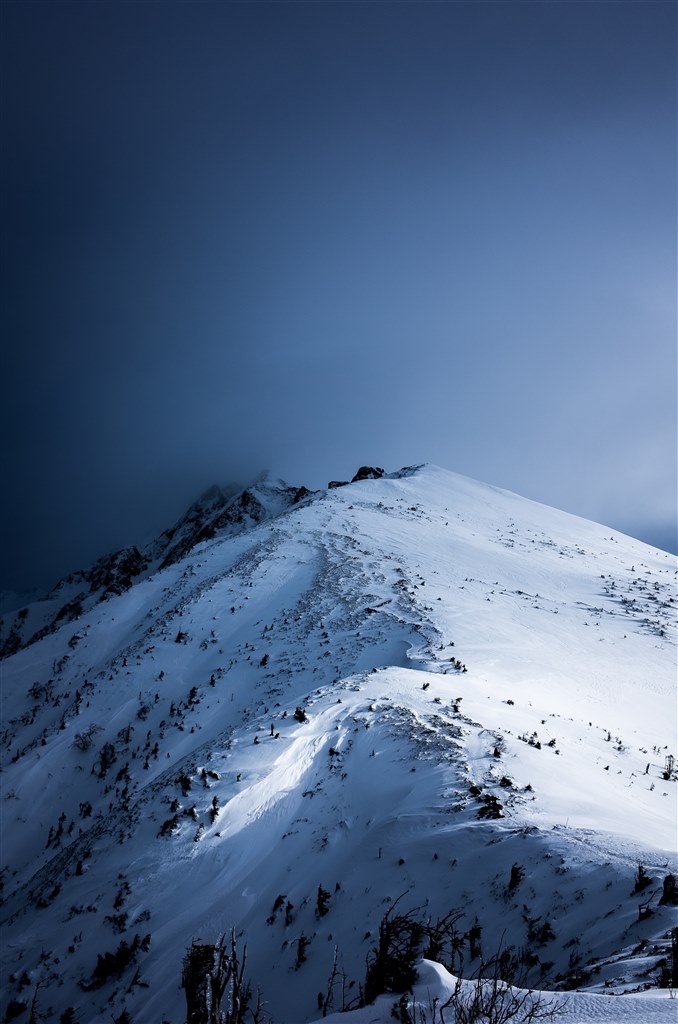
(351, 608)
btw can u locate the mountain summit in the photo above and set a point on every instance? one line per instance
(296, 713)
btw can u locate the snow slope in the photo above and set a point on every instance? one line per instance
(398, 688)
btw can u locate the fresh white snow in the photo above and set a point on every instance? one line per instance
(455, 648)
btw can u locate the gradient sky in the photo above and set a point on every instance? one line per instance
(308, 236)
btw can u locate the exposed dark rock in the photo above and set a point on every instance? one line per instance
(114, 572)
(368, 473)
(12, 643)
(669, 895)
(71, 610)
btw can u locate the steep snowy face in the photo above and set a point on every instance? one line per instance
(411, 685)
(222, 511)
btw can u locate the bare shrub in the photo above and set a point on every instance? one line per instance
(493, 1001)
(391, 965)
(84, 740)
(209, 971)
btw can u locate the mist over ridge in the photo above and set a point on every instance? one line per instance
(308, 236)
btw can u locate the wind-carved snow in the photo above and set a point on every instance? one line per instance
(403, 686)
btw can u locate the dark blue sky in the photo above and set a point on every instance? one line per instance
(306, 236)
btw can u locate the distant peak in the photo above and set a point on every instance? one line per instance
(270, 482)
(376, 473)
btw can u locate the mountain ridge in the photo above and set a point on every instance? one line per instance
(409, 684)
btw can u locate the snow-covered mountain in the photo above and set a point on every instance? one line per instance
(295, 712)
